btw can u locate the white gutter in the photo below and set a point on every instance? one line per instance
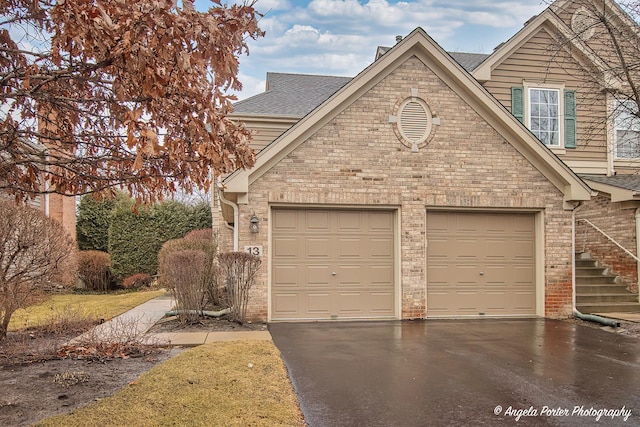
(236, 218)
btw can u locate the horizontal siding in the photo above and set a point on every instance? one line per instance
(263, 133)
(528, 64)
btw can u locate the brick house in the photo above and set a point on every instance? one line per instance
(410, 192)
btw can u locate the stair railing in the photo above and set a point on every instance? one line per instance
(607, 236)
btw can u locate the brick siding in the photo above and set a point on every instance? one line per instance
(619, 224)
(356, 160)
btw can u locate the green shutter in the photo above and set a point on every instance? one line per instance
(570, 119)
(517, 103)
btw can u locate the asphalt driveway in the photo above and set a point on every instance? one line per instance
(461, 373)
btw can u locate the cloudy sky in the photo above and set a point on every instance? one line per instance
(340, 37)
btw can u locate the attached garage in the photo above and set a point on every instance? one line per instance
(362, 212)
(481, 264)
(332, 264)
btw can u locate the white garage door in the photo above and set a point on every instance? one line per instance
(332, 264)
(480, 264)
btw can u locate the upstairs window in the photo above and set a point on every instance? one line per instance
(627, 130)
(548, 111)
(544, 115)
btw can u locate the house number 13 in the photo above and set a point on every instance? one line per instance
(254, 250)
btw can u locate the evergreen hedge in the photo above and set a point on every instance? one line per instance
(135, 238)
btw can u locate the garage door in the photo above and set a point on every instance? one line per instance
(480, 264)
(332, 264)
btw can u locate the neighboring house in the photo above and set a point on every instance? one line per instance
(61, 208)
(408, 192)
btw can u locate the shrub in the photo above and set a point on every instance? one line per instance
(199, 240)
(239, 270)
(93, 220)
(183, 272)
(36, 255)
(136, 281)
(135, 238)
(94, 270)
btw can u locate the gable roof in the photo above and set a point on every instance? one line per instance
(468, 61)
(296, 95)
(549, 20)
(420, 45)
(291, 94)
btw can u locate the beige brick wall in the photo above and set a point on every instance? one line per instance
(619, 224)
(356, 160)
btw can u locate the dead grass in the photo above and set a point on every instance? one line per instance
(242, 383)
(91, 307)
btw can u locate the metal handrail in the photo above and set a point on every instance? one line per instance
(608, 237)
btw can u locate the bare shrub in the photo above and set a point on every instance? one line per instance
(94, 269)
(36, 255)
(239, 270)
(206, 241)
(121, 337)
(136, 281)
(39, 343)
(207, 234)
(184, 270)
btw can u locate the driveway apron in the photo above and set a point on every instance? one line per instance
(461, 373)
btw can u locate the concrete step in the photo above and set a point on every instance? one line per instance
(601, 288)
(605, 298)
(620, 307)
(581, 263)
(596, 280)
(592, 271)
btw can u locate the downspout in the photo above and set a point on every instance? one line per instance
(576, 313)
(236, 218)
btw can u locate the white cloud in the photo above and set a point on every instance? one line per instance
(339, 37)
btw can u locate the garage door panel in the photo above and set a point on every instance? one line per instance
(356, 245)
(480, 264)
(349, 222)
(285, 247)
(286, 221)
(350, 275)
(524, 249)
(317, 276)
(316, 221)
(318, 248)
(524, 300)
(285, 304)
(381, 303)
(286, 275)
(380, 222)
(350, 247)
(318, 303)
(380, 248)
(381, 275)
(350, 304)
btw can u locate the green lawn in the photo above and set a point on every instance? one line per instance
(241, 383)
(79, 306)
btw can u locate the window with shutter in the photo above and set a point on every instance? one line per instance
(548, 111)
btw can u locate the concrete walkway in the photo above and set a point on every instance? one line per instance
(136, 322)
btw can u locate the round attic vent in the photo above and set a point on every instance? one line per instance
(583, 23)
(414, 123)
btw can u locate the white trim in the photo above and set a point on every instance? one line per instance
(559, 88)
